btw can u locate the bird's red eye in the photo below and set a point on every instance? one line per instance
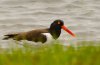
(58, 22)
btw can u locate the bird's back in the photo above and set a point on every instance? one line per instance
(34, 35)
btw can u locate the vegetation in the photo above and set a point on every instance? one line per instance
(55, 54)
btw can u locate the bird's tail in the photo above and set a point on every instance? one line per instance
(9, 36)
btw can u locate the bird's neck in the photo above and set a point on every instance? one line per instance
(55, 32)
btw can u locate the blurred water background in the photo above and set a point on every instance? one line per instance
(81, 16)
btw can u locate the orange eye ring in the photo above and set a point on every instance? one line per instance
(58, 22)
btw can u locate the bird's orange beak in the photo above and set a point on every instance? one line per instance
(67, 30)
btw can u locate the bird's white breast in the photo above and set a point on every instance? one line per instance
(49, 37)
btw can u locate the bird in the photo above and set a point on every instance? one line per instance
(41, 35)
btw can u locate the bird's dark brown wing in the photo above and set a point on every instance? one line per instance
(7, 36)
(34, 35)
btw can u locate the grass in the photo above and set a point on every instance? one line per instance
(52, 55)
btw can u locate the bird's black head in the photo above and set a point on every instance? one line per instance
(58, 23)
(55, 28)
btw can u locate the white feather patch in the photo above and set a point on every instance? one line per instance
(49, 37)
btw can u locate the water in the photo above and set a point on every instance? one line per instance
(81, 16)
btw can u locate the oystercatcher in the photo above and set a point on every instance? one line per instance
(40, 35)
